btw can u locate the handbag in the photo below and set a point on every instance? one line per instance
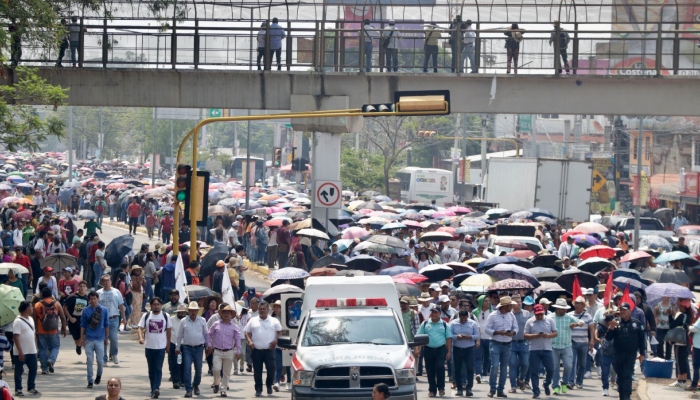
(677, 335)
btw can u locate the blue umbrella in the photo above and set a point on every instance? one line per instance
(634, 284)
(393, 225)
(343, 244)
(510, 271)
(396, 270)
(492, 262)
(288, 273)
(631, 274)
(671, 256)
(655, 242)
(658, 290)
(542, 212)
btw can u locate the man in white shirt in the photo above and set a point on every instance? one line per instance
(261, 333)
(17, 234)
(25, 350)
(154, 332)
(568, 248)
(191, 336)
(112, 300)
(233, 235)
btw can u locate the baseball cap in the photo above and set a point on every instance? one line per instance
(434, 307)
(539, 309)
(528, 301)
(68, 269)
(434, 286)
(544, 300)
(444, 283)
(625, 306)
(444, 298)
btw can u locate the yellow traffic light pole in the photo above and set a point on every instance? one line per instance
(353, 112)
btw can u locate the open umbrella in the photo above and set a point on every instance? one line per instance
(355, 232)
(351, 272)
(478, 280)
(364, 262)
(396, 270)
(635, 255)
(655, 242)
(551, 291)
(460, 268)
(323, 271)
(87, 214)
(657, 291)
(664, 275)
(436, 237)
(493, 261)
(673, 256)
(60, 261)
(510, 284)
(468, 230)
(313, 233)
(521, 254)
(595, 265)
(16, 268)
(219, 210)
(325, 261)
(377, 248)
(389, 241)
(544, 260)
(663, 213)
(630, 273)
(622, 282)
(393, 225)
(545, 274)
(117, 249)
(436, 272)
(26, 215)
(196, 292)
(208, 264)
(585, 279)
(458, 279)
(600, 251)
(407, 290)
(462, 246)
(590, 227)
(288, 273)
(274, 293)
(412, 276)
(10, 297)
(510, 271)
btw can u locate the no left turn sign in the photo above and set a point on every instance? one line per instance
(328, 194)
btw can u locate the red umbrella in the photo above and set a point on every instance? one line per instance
(402, 280)
(412, 276)
(26, 214)
(274, 222)
(600, 250)
(459, 210)
(635, 255)
(116, 185)
(522, 254)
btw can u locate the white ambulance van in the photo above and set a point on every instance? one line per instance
(346, 334)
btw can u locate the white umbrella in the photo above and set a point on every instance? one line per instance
(16, 268)
(314, 233)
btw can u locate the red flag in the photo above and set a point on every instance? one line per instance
(576, 290)
(626, 297)
(608, 290)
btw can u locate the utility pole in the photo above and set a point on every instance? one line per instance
(70, 143)
(455, 168)
(638, 208)
(465, 178)
(153, 157)
(172, 151)
(484, 169)
(246, 178)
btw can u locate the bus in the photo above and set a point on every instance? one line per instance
(238, 164)
(423, 185)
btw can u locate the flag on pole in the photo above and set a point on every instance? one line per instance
(227, 289)
(576, 290)
(608, 290)
(626, 297)
(180, 278)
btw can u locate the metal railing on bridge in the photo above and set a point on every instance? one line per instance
(335, 48)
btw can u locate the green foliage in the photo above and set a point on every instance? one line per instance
(22, 127)
(361, 170)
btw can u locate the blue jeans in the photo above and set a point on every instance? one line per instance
(113, 339)
(500, 356)
(540, 358)
(483, 358)
(148, 295)
(73, 49)
(368, 57)
(469, 53)
(519, 361)
(97, 271)
(578, 364)
(190, 355)
(94, 349)
(280, 369)
(111, 212)
(48, 346)
(30, 360)
(154, 359)
(566, 356)
(605, 363)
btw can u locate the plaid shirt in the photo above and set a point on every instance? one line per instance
(563, 339)
(501, 322)
(414, 319)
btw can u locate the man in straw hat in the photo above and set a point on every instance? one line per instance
(561, 345)
(224, 341)
(583, 339)
(502, 326)
(191, 336)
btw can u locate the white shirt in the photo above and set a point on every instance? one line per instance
(263, 331)
(17, 237)
(156, 332)
(24, 327)
(233, 237)
(111, 300)
(566, 250)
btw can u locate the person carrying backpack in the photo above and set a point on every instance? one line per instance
(94, 333)
(47, 313)
(100, 207)
(437, 351)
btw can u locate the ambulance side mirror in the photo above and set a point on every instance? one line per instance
(418, 340)
(285, 342)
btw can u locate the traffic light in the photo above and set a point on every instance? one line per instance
(277, 160)
(299, 164)
(426, 134)
(182, 182)
(378, 108)
(416, 102)
(201, 199)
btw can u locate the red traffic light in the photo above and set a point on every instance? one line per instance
(183, 169)
(181, 183)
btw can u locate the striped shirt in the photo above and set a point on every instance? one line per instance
(579, 334)
(563, 339)
(499, 321)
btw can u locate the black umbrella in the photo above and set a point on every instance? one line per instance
(407, 290)
(545, 274)
(585, 279)
(457, 279)
(595, 265)
(117, 249)
(475, 214)
(419, 206)
(437, 272)
(325, 261)
(219, 252)
(666, 275)
(364, 262)
(544, 260)
(196, 292)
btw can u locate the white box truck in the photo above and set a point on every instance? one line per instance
(349, 336)
(560, 186)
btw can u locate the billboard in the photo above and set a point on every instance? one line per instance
(432, 182)
(641, 49)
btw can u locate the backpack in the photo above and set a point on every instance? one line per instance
(49, 322)
(96, 319)
(444, 324)
(148, 314)
(387, 40)
(99, 207)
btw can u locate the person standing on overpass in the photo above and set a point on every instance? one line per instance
(276, 36)
(564, 40)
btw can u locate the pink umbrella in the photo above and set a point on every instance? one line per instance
(411, 224)
(354, 233)
(272, 210)
(29, 166)
(411, 276)
(447, 229)
(403, 280)
(590, 227)
(445, 213)
(459, 210)
(366, 211)
(116, 185)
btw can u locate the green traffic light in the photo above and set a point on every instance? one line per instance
(180, 196)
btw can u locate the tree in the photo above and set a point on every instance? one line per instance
(360, 170)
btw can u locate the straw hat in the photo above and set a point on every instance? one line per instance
(561, 303)
(193, 306)
(506, 301)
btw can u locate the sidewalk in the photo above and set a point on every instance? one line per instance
(658, 389)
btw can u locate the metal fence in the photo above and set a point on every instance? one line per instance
(336, 48)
